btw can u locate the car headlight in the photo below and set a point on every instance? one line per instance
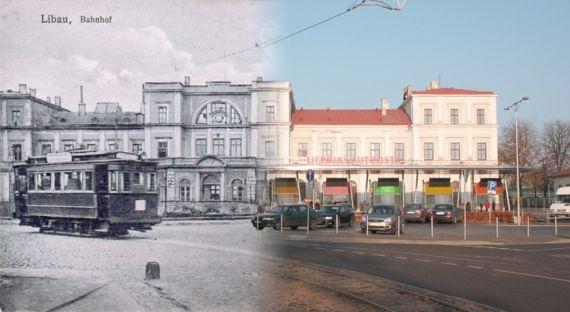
(328, 218)
(268, 218)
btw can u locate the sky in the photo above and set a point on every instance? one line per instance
(513, 47)
(146, 41)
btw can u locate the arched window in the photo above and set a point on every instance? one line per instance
(237, 190)
(211, 188)
(184, 190)
(162, 114)
(126, 120)
(218, 113)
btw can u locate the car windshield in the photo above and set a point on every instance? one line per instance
(563, 199)
(443, 207)
(331, 209)
(412, 207)
(381, 210)
(276, 209)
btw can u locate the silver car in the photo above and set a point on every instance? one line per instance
(382, 218)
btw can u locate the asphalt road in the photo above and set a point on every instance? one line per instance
(518, 277)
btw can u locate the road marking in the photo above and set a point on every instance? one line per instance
(403, 258)
(474, 267)
(379, 255)
(448, 263)
(320, 248)
(358, 252)
(299, 246)
(340, 250)
(533, 275)
(423, 260)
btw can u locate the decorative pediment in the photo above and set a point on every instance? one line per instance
(210, 162)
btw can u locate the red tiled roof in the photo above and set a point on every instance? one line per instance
(452, 91)
(349, 117)
(563, 173)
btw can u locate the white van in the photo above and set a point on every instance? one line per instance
(562, 203)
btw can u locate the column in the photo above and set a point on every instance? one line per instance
(227, 141)
(177, 141)
(56, 141)
(3, 113)
(223, 186)
(125, 142)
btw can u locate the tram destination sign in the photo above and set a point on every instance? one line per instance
(58, 157)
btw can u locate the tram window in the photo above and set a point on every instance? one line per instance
(31, 182)
(57, 181)
(126, 181)
(151, 182)
(45, 181)
(88, 180)
(72, 181)
(113, 181)
(137, 178)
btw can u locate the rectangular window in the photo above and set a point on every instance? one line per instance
(428, 116)
(126, 181)
(72, 181)
(374, 150)
(454, 152)
(428, 151)
(481, 151)
(88, 180)
(45, 149)
(201, 147)
(113, 181)
(31, 181)
(235, 147)
(162, 149)
(326, 150)
(68, 145)
(16, 118)
(399, 151)
(454, 116)
(45, 181)
(218, 147)
(270, 113)
(111, 145)
(151, 182)
(302, 150)
(480, 116)
(137, 178)
(137, 147)
(57, 181)
(17, 152)
(91, 145)
(162, 114)
(350, 150)
(269, 148)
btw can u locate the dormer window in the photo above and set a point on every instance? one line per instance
(94, 121)
(126, 120)
(63, 120)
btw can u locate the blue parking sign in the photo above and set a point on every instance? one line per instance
(491, 187)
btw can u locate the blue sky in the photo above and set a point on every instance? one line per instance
(514, 48)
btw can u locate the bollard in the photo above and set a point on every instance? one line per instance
(465, 226)
(281, 223)
(152, 271)
(527, 226)
(497, 222)
(398, 226)
(336, 224)
(366, 225)
(555, 225)
(431, 218)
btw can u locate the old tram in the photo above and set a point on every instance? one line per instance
(86, 193)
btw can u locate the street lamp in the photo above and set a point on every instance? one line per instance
(516, 106)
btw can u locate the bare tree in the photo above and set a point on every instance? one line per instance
(529, 148)
(556, 143)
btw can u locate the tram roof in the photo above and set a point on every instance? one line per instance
(82, 156)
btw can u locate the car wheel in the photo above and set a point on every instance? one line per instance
(373, 232)
(277, 226)
(260, 228)
(293, 227)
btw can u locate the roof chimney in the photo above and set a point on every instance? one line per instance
(259, 79)
(33, 92)
(81, 107)
(384, 105)
(57, 100)
(187, 81)
(23, 88)
(48, 99)
(433, 85)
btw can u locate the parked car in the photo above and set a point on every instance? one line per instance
(446, 213)
(344, 212)
(382, 218)
(293, 217)
(415, 213)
